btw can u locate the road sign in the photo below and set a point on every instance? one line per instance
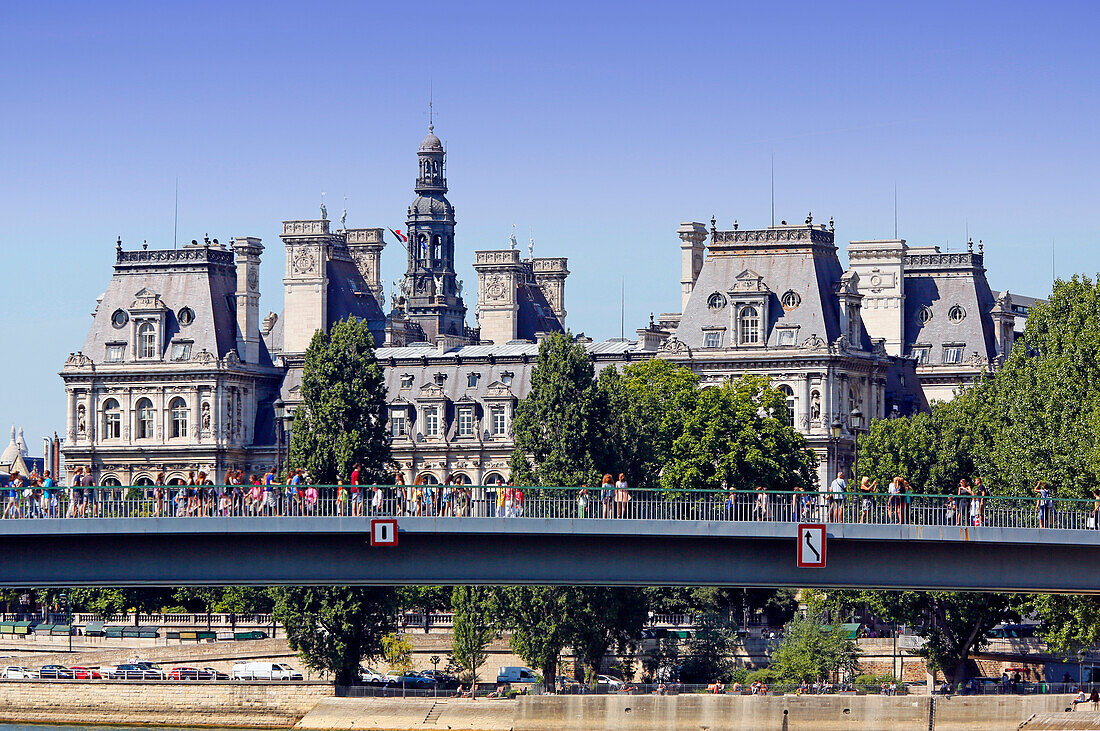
(811, 546)
(383, 532)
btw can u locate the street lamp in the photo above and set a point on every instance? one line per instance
(280, 414)
(856, 420)
(836, 427)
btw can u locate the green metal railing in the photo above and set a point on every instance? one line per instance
(570, 503)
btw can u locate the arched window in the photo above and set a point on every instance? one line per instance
(460, 479)
(110, 482)
(422, 246)
(143, 481)
(429, 479)
(147, 340)
(144, 419)
(437, 249)
(492, 479)
(177, 414)
(750, 326)
(788, 392)
(112, 420)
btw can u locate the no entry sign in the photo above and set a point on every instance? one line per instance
(383, 532)
(811, 546)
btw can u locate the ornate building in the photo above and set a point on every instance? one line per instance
(178, 374)
(173, 375)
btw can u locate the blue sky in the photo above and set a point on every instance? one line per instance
(602, 126)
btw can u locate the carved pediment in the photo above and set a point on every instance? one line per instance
(204, 357)
(749, 281)
(147, 299)
(813, 343)
(231, 358)
(496, 389)
(675, 346)
(78, 360)
(432, 391)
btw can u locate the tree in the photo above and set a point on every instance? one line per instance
(472, 631)
(604, 616)
(538, 618)
(559, 422)
(811, 651)
(397, 651)
(708, 653)
(736, 435)
(644, 412)
(342, 417)
(334, 628)
(1070, 624)
(424, 599)
(953, 623)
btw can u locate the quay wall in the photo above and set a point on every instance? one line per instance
(246, 704)
(313, 706)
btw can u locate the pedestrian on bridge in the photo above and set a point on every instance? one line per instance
(1045, 504)
(867, 488)
(962, 506)
(837, 488)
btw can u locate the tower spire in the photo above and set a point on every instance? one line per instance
(431, 107)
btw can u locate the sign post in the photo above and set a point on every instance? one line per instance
(383, 532)
(811, 545)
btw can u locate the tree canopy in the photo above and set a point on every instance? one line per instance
(334, 628)
(342, 417)
(813, 650)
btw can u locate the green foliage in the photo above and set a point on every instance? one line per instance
(644, 416)
(811, 651)
(342, 417)
(397, 651)
(107, 601)
(763, 675)
(736, 434)
(424, 599)
(660, 660)
(245, 600)
(334, 628)
(538, 618)
(708, 653)
(559, 422)
(604, 617)
(954, 623)
(472, 632)
(1071, 624)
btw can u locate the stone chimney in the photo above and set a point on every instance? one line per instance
(248, 250)
(692, 237)
(499, 274)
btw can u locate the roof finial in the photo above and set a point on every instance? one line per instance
(981, 247)
(431, 107)
(809, 218)
(970, 245)
(118, 248)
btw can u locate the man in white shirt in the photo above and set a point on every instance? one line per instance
(837, 488)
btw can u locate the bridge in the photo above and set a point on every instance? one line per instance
(549, 537)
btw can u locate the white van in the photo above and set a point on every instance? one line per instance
(512, 674)
(264, 671)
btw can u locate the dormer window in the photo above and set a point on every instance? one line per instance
(920, 354)
(181, 351)
(147, 340)
(506, 377)
(952, 354)
(472, 379)
(440, 379)
(716, 301)
(712, 339)
(185, 316)
(116, 352)
(787, 337)
(406, 380)
(749, 326)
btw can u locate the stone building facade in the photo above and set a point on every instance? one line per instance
(178, 373)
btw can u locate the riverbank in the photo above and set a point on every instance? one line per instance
(313, 707)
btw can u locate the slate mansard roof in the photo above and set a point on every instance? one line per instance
(201, 278)
(800, 259)
(935, 284)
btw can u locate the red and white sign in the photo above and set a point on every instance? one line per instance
(811, 546)
(383, 532)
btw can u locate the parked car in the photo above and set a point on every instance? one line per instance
(410, 680)
(15, 672)
(610, 681)
(264, 671)
(514, 674)
(130, 671)
(443, 681)
(368, 675)
(188, 673)
(81, 672)
(216, 674)
(55, 672)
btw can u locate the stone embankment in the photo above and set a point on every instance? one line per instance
(312, 706)
(255, 704)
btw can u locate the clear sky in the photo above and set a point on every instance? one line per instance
(600, 126)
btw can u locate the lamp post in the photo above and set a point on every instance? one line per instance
(856, 420)
(280, 414)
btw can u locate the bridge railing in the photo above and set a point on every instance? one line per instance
(569, 503)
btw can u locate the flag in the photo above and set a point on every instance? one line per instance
(399, 235)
